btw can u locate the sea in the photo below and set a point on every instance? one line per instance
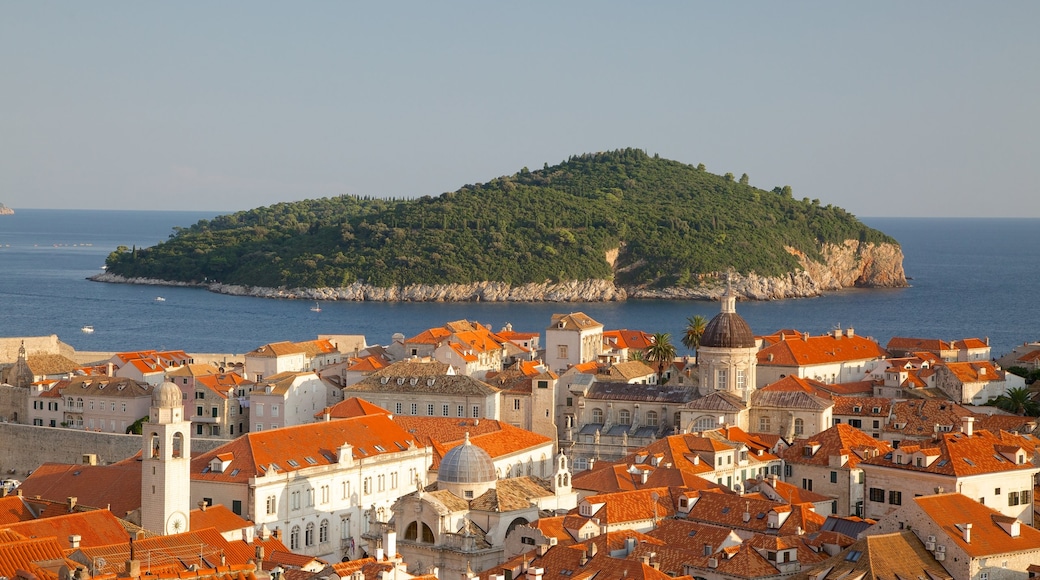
(968, 278)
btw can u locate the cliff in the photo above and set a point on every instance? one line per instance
(851, 264)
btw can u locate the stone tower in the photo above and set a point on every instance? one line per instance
(727, 355)
(166, 464)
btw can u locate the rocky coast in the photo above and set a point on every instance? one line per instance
(847, 265)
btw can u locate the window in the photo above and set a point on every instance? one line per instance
(415, 408)
(429, 410)
(308, 535)
(651, 419)
(597, 416)
(561, 351)
(260, 410)
(294, 538)
(807, 484)
(399, 408)
(877, 424)
(1012, 498)
(323, 531)
(720, 380)
(367, 485)
(857, 423)
(324, 494)
(542, 384)
(271, 505)
(799, 426)
(294, 500)
(236, 507)
(198, 411)
(741, 379)
(788, 471)
(1024, 496)
(834, 477)
(996, 491)
(214, 412)
(570, 401)
(444, 410)
(461, 411)
(476, 411)
(274, 411)
(877, 495)
(764, 424)
(516, 404)
(625, 417)
(198, 429)
(895, 497)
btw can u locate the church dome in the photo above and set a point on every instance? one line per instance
(167, 395)
(466, 463)
(728, 329)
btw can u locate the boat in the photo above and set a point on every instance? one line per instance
(88, 329)
(160, 299)
(316, 308)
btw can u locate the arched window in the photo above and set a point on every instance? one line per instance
(412, 531)
(308, 536)
(706, 423)
(294, 538)
(154, 445)
(427, 534)
(323, 531)
(597, 416)
(178, 444)
(651, 418)
(764, 424)
(625, 417)
(799, 426)
(677, 419)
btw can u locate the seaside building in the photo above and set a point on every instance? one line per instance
(572, 339)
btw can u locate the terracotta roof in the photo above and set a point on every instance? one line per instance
(629, 370)
(819, 350)
(420, 377)
(631, 339)
(574, 320)
(511, 494)
(281, 383)
(313, 348)
(50, 364)
(95, 528)
(607, 478)
(23, 555)
(918, 418)
(640, 392)
(117, 486)
(13, 509)
(988, 538)
(352, 407)
(974, 372)
(789, 400)
(717, 401)
(862, 406)
(103, 386)
(902, 343)
(305, 445)
(275, 350)
(959, 455)
(218, 517)
(897, 555)
(795, 384)
(728, 511)
(630, 506)
(841, 439)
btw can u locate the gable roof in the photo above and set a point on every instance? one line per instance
(819, 350)
(879, 557)
(573, 321)
(988, 538)
(95, 528)
(116, 486)
(958, 455)
(841, 439)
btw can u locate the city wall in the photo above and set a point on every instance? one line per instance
(25, 447)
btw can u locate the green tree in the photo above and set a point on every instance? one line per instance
(661, 351)
(1017, 401)
(744, 179)
(694, 331)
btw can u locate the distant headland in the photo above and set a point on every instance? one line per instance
(4, 210)
(599, 226)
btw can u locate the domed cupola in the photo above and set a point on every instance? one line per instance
(167, 395)
(728, 329)
(466, 470)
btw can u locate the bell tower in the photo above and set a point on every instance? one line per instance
(166, 464)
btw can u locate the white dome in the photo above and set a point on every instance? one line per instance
(167, 395)
(466, 464)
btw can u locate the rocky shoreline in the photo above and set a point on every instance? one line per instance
(846, 265)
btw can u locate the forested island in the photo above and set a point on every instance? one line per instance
(625, 220)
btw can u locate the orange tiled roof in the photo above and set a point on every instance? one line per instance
(23, 555)
(218, 517)
(974, 372)
(276, 349)
(862, 406)
(13, 509)
(795, 384)
(305, 446)
(353, 407)
(841, 439)
(630, 506)
(116, 486)
(95, 528)
(819, 350)
(902, 343)
(959, 455)
(988, 538)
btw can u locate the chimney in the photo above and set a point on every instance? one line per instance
(592, 550)
(71, 503)
(967, 533)
(202, 505)
(110, 370)
(966, 425)
(74, 540)
(390, 543)
(537, 572)
(645, 475)
(327, 414)
(584, 557)
(849, 332)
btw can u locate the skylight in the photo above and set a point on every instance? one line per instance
(969, 462)
(234, 472)
(293, 463)
(310, 460)
(853, 556)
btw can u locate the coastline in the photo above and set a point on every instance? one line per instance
(752, 287)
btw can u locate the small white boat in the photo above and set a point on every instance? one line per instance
(316, 308)
(160, 299)
(88, 329)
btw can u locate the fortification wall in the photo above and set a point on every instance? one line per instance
(25, 447)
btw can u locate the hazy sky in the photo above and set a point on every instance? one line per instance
(925, 108)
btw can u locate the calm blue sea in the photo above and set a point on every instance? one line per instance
(971, 277)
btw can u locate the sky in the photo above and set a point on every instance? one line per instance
(927, 108)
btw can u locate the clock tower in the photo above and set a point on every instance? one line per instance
(166, 464)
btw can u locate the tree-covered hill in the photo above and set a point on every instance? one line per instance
(668, 221)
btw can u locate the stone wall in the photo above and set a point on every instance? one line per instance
(26, 447)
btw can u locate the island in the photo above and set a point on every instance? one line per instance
(4, 210)
(599, 226)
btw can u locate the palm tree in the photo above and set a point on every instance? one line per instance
(1017, 401)
(694, 331)
(661, 351)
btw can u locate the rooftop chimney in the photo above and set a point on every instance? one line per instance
(967, 424)
(967, 533)
(71, 503)
(202, 505)
(74, 540)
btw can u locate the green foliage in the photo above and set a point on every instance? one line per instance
(661, 351)
(695, 326)
(1018, 401)
(672, 222)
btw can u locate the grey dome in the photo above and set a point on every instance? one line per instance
(167, 395)
(466, 463)
(728, 329)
